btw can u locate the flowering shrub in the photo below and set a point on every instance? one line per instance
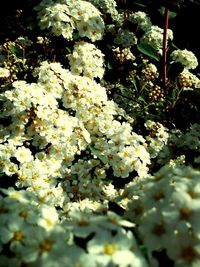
(87, 59)
(95, 168)
(63, 17)
(166, 209)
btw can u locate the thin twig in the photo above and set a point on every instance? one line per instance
(164, 60)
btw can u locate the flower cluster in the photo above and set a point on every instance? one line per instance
(188, 140)
(123, 54)
(4, 72)
(94, 169)
(150, 72)
(124, 150)
(185, 57)
(157, 137)
(63, 17)
(141, 19)
(45, 139)
(32, 234)
(86, 59)
(107, 7)
(125, 38)
(40, 235)
(153, 36)
(187, 79)
(166, 209)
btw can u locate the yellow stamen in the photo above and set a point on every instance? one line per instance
(109, 249)
(46, 245)
(18, 235)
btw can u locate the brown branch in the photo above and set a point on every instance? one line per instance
(164, 59)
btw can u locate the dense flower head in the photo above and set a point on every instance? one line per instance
(185, 57)
(107, 6)
(63, 17)
(4, 72)
(150, 72)
(125, 38)
(154, 37)
(123, 55)
(166, 208)
(141, 19)
(157, 137)
(87, 59)
(56, 119)
(188, 80)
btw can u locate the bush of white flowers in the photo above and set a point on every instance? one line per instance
(95, 170)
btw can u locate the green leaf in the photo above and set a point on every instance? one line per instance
(69, 50)
(75, 35)
(148, 50)
(139, 4)
(141, 100)
(171, 14)
(74, 176)
(97, 154)
(14, 49)
(174, 70)
(109, 66)
(175, 93)
(133, 81)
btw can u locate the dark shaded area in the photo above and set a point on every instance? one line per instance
(113, 206)
(6, 182)
(13, 17)
(163, 259)
(179, 4)
(187, 110)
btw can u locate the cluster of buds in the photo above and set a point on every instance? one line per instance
(150, 72)
(153, 128)
(131, 75)
(123, 54)
(157, 93)
(187, 79)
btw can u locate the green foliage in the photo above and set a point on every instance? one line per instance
(96, 153)
(171, 13)
(148, 50)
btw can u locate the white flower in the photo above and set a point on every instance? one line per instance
(90, 23)
(49, 218)
(63, 17)
(80, 224)
(23, 154)
(142, 19)
(185, 57)
(167, 211)
(86, 59)
(119, 249)
(4, 73)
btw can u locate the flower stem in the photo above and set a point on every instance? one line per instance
(164, 60)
